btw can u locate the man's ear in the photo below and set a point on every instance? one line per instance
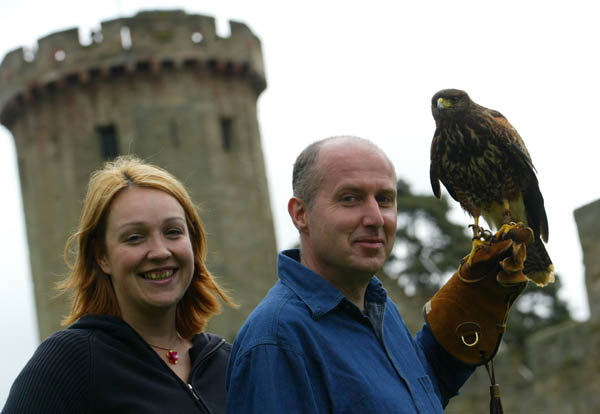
(100, 256)
(298, 213)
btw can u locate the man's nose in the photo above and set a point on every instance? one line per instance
(372, 216)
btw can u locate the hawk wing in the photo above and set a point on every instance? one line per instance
(517, 152)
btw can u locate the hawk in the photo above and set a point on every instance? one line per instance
(484, 164)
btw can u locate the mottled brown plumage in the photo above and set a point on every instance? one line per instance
(484, 164)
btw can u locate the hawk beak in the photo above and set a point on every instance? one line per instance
(443, 104)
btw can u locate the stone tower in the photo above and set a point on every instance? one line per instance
(161, 85)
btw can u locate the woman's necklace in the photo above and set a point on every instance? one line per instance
(171, 355)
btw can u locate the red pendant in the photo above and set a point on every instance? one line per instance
(172, 357)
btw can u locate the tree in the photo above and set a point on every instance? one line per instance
(536, 309)
(429, 248)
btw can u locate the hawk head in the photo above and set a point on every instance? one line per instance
(449, 103)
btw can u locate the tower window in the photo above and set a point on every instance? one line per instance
(126, 38)
(227, 133)
(109, 145)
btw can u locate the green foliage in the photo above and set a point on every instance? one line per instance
(429, 249)
(536, 309)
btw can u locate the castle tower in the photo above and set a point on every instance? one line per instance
(161, 85)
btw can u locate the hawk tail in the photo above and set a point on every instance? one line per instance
(538, 265)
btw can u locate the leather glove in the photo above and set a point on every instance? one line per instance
(468, 314)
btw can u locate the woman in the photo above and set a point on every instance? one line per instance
(141, 296)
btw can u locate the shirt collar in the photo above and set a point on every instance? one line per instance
(317, 293)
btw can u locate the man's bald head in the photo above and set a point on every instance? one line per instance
(307, 176)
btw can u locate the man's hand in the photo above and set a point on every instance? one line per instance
(468, 314)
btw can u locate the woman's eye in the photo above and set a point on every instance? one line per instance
(133, 238)
(174, 232)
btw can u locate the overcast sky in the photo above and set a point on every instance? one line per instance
(338, 67)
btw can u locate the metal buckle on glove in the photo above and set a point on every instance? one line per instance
(468, 329)
(473, 343)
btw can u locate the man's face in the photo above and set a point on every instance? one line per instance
(350, 228)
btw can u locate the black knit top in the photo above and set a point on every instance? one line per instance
(101, 365)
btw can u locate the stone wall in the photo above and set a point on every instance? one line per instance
(588, 225)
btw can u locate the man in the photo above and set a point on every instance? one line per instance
(326, 338)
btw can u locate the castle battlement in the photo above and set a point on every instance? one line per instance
(150, 41)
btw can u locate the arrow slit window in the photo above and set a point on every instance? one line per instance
(227, 133)
(109, 143)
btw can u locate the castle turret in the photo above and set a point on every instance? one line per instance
(164, 86)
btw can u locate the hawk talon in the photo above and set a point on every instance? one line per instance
(478, 232)
(487, 235)
(505, 229)
(477, 244)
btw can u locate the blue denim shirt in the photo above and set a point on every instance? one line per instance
(307, 349)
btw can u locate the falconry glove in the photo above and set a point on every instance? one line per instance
(468, 314)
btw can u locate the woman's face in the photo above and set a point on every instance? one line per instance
(147, 252)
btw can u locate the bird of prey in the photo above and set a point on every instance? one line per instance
(484, 164)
